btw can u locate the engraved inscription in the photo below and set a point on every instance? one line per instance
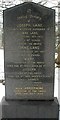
(30, 42)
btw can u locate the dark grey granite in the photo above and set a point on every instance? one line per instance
(29, 51)
(30, 109)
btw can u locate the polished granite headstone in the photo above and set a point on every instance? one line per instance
(29, 52)
(29, 63)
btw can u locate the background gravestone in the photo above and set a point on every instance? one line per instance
(29, 51)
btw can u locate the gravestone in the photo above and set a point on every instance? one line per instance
(29, 51)
(29, 63)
